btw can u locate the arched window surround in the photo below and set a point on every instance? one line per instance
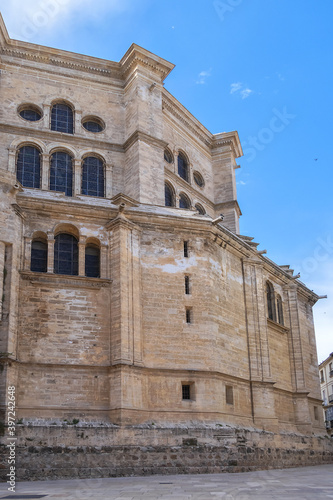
(184, 201)
(183, 166)
(28, 165)
(39, 252)
(90, 186)
(62, 117)
(169, 194)
(62, 171)
(270, 300)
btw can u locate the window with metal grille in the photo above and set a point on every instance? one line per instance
(169, 195)
(28, 167)
(93, 126)
(188, 315)
(183, 167)
(229, 395)
(186, 391)
(186, 250)
(66, 254)
(61, 173)
(279, 309)
(187, 285)
(92, 261)
(39, 256)
(62, 118)
(30, 114)
(93, 177)
(271, 312)
(184, 201)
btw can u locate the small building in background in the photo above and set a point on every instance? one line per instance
(326, 387)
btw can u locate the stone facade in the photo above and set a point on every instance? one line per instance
(326, 387)
(186, 321)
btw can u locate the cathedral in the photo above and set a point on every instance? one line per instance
(136, 322)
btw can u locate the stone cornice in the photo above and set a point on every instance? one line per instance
(186, 119)
(142, 136)
(228, 139)
(57, 280)
(229, 204)
(137, 56)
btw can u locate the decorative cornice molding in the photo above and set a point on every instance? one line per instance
(142, 136)
(59, 280)
(137, 56)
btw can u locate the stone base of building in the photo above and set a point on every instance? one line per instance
(82, 451)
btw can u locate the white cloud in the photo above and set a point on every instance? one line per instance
(234, 87)
(26, 19)
(202, 77)
(245, 93)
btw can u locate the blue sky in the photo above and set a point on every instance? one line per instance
(261, 67)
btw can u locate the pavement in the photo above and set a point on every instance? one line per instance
(304, 483)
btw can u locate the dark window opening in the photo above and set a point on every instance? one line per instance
(169, 196)
(28, 167)
(39, 256)
(184, 201)
(168, 156)
(187, 285)
(93, 177)
(93, 126)
(188, 315)
(229, 395)
(92, 261)
(30, 114)
(61, 173)
(186, 250)
(62, 118)
(182, 167)
(186, 391)
(66, 255)
(271, 313)
(198, 179)
(200, 209)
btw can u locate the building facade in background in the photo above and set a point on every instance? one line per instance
(326, 386)
(126, 298)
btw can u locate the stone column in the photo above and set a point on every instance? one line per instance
(82, 256)
(50, 252)
(77, 121)
(262, 392)
(301, 403)
(27, 253)
(108, 180)
(45, 171)
(77, 177)
(126, 327)
(104, 262)
(46, 116)
(12, 160)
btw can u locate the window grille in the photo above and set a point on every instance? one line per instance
(184, 201)
(92, 261)
(93, 177)
(62, 119)
(186, 249)
(93, 126)
(198, 179)
(28, 167)
(187, 285)
(186, 391)
(271, 313)
(182, 167)
(169, 196)
(61, 173)
(31, 115)
(66, 254)
(39, 256)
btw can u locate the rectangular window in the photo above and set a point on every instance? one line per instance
(186, 391)
(188, 312)
(322, 376)
(229, 395)
(186, 249)
(315, 409)
(187, 285)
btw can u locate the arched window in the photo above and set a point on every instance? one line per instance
(169, 195)
(271, 313)
(62, 118)
(28, 167)
(183, 167)
(168, 157)
(184, 201)
(279, 309)
(39, 256)
(93, 176)
(61, 173)
(200, 209)
(66, 254)
(92, 261)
